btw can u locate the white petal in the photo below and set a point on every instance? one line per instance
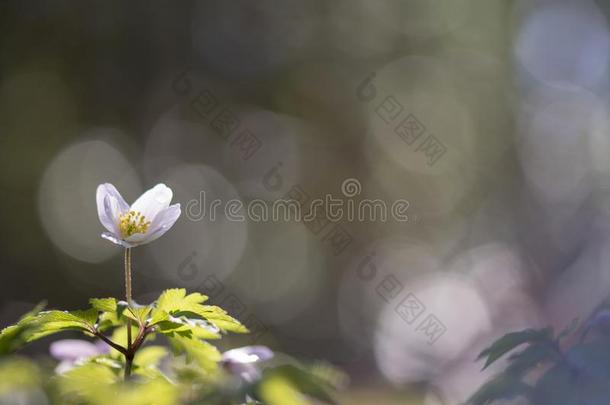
(64, 367)
(109, 202)
(248, 354)
(161, 224)
(72, 349)
(114, 239)
(153, 201)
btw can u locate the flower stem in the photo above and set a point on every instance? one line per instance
(128, 355)
(128, 275)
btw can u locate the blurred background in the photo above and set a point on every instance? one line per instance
(490, 117)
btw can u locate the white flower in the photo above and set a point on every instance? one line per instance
(71, 352)
(149, 217)
(242, 361)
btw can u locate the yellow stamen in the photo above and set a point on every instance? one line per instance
(131, 223)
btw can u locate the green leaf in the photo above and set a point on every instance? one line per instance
(18, 374)
(199, 351)
(303, 381)
(87, 380)
(107, 361)
(175, 300)
(50, 322)
(511, 340)
(147, 360)
(113, 318)
(88, 316)
(138, 314)
(219, 318)
(158, 391)
(176, 303)
(15, 336)
(119, 336)
(158, 315)
(279, 390)
(150, 356)
(104, 304)
(190, 328)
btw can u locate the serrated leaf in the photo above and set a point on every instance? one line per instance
(138, 314)
(89, 316)
(50, 322)
(104, 304)
(199, 351)
(158, 315)
(176, 300)
(189, 328)
(511, 340)
(221, 319)
(14, 336)
(176, 303)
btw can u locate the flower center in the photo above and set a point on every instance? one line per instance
(132, 222)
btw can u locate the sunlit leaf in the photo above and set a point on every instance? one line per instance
(176, 303)
(50, 322)
(150, 356)
(176, 300)
(303, 381)
(15, 336)
(198, 351)
(138, 314)
(279, 390)
(104, 304)
(87, 380)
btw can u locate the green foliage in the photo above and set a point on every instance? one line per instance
(18, 374)
(549, 372)
(510, 341)
(104, 304)
(50, 322)
(296, 380)
(191, 373)
(204, 354)
(15, 336)
(176, 304)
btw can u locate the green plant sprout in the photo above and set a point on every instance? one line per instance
(130, 369)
